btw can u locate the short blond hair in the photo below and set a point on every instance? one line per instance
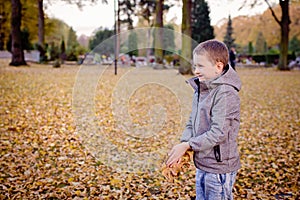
(215, 50)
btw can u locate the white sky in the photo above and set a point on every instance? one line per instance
(88, 19)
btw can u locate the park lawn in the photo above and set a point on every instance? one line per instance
(43, 155)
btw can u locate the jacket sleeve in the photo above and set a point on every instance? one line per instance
(187, 133)
(226, 107)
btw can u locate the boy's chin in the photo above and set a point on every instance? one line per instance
(201, 78)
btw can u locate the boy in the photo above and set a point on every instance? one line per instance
(213, 126)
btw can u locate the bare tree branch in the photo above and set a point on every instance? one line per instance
(240, 8)
(273, 13)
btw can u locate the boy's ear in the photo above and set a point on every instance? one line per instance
(220, 66)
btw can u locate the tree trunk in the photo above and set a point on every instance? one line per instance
(284, 25)
(158, 40)
(2, 21)
(41, 32)
(16, 47)
(186, 46)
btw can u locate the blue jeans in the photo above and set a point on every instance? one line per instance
(210, 186)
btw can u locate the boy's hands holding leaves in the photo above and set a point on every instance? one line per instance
(176, 153)
(179, 160)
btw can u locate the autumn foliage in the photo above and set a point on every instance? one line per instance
(43, 157)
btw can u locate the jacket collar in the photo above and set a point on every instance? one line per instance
(228, 77)
(201, 85)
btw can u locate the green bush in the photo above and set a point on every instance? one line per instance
(270, 58)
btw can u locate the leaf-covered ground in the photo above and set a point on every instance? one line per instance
(44, 157)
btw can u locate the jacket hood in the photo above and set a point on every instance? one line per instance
(229, 77)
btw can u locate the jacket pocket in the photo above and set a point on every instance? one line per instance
(217, 153)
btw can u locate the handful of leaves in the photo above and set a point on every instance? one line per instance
(171, 172)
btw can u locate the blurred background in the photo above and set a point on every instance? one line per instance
(264, 32)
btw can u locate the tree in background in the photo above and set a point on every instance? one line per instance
(4, 21)
(26, 45)
(149, 11)
(72, 39)
(169, 40)
(294, 45)
(284, 24)
(201, 28)
(72, 45)
(158, 35)
(25, 42)
(260, 44)
(56, 31)
(63, 55)
(228, 39)
(284, 29)
(41, 31)
(186, 46)
(53, 51)
(250, 48)
(126, 11)
(16, 49)
(147, 8)
(28, 24)
(133, 44)
(41, 22)
(100, 36)
(29, 13)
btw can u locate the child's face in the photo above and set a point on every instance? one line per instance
(204, 69)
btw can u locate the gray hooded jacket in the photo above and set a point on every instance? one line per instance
(214, 122)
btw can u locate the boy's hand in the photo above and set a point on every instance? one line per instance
(176, 153)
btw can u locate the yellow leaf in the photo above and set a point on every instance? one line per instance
(70, 180)
(115, 182)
